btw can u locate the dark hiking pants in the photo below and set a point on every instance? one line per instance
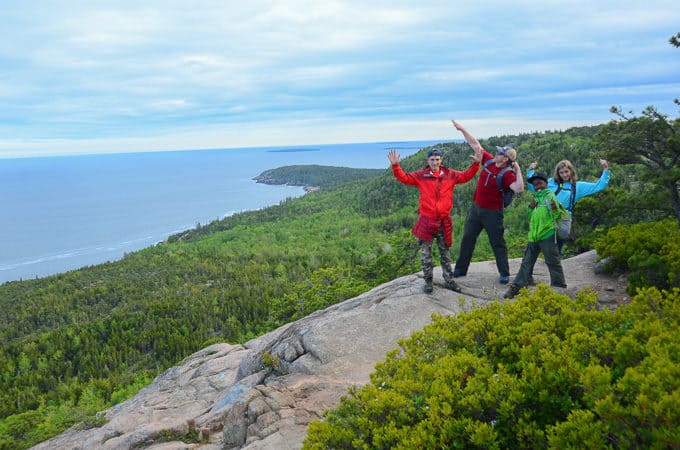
(552, 259)
(479, 219)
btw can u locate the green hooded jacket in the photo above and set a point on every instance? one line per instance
(542, 218)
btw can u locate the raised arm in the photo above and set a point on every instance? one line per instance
(530, 172)
(584, 188)
(477, 157)
(603, 182)
(398, 172)
(470, 139)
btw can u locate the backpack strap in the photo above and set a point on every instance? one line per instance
(498, 177)
(486, 169)
(572, 198)
(560, 207)
(548, 205)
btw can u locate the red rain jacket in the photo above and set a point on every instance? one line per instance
(436, 191)
(436, 197)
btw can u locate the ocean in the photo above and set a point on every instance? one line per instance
(63, 213)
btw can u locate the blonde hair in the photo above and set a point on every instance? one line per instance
(511, 154)
(561, 165)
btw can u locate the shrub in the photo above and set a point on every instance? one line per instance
(649, 252)
(544, 371)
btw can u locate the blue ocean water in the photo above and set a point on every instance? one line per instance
(63, 213)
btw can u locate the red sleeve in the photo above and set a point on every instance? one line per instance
(508, 178)
(464, 177)
(402, 176)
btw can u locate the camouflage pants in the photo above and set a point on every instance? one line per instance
(444, 256)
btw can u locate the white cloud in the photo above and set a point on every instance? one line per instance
(104, 75)
(170, 104)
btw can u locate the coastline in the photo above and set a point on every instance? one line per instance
(66, 213)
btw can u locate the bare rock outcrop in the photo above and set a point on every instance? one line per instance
(263, 394)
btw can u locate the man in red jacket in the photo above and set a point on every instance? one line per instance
(435, 183)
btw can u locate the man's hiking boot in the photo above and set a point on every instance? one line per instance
(504, 279)
(512, 291)
(428, 287)
(458, 273)
(452, 285)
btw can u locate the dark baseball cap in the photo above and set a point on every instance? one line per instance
(536, 175)
(434, 152)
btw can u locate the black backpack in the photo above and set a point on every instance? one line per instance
(508, 194)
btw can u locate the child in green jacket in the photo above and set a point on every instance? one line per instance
(544, 211)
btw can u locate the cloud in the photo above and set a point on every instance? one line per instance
(158, 74)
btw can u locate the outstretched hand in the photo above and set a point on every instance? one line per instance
(604, 164)
(393, 156)
(472, 142)
(533, 165)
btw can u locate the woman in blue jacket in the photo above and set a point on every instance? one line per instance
(568, 190)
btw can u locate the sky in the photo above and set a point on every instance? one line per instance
(93, 76)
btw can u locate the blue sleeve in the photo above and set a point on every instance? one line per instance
(584, 189)
(530, 172)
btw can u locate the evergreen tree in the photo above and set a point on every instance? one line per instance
(650, 141)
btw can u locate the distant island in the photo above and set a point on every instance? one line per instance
(314, 177)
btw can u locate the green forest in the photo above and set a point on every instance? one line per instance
(79, 342)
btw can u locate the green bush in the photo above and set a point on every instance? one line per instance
(648, 252)
(544, 371)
